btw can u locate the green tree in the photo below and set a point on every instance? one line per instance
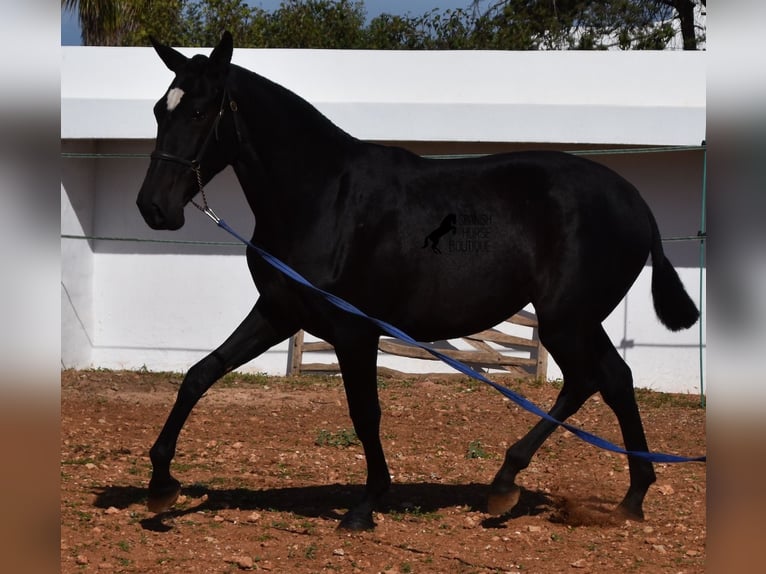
(161, 19)
(105, 22)
(390, 32)
(483, 24)
(584, 24)
(317, 24)
(690, 31)
(199, 23)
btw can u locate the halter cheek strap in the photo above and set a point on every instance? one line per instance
(195, 164)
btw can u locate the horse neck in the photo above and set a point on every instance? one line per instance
(287, 144)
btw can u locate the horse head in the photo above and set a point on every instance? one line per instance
(195, 141)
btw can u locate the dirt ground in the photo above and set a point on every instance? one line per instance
(268, 465)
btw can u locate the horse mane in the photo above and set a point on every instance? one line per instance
(288, 112)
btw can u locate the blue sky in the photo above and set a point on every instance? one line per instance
(70, 29)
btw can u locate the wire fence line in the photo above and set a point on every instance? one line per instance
(594, 152)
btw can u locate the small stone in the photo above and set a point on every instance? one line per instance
(253, 517)
(112, 510)
(339, 552)
(692, 553)
(579, 563)
(532, 528)
(217, 518)
(237, 445)
(81, 559)
(659, 548)
(666, 489)
(242, 562)
(90, 466)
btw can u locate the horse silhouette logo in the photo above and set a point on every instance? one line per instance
(448, 224)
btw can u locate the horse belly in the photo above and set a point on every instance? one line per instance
(453, 293)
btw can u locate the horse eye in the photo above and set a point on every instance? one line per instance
(198, 115)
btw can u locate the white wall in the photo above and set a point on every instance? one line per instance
(77, 214)
(163, 306)
(609, 97)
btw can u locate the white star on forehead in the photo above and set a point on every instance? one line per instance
(174, 98)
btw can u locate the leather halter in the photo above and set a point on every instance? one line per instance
(195, 164)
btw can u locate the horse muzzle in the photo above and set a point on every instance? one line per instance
(158, 218)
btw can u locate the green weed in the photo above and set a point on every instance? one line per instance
(476, 450)
(340, 439)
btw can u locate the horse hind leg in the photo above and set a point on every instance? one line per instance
(590, 363)
(571, 353)
(253, 336)
(504, 493)
(616, 387)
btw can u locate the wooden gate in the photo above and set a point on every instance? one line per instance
(491, 349)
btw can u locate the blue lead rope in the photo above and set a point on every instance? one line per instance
(454, 363)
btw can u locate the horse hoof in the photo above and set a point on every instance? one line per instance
(162, 499)
(356, 523)
(625, 513)
(499, 503)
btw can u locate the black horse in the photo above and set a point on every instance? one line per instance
(564, 233)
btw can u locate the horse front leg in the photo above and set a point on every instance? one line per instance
(254, 335)
(357, 358)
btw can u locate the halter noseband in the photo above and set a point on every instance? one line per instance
(195, 164)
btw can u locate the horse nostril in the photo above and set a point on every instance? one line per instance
(152, 214)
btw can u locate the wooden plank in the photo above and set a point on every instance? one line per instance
(541, 372)
(295, 354)
(519, 319)
(502, 338)
(317, 346)
(320, 368)
(479, 345)
(474, 357)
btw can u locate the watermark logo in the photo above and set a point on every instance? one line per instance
(448, 224)
(466, 233)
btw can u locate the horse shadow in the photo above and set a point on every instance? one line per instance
(326, 501)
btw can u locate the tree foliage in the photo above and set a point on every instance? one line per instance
(581, 24)
(483, 24)
(105, 22)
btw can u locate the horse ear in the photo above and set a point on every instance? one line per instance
(221, 55)
(173, 59)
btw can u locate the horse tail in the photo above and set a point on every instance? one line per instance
(672, 303)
